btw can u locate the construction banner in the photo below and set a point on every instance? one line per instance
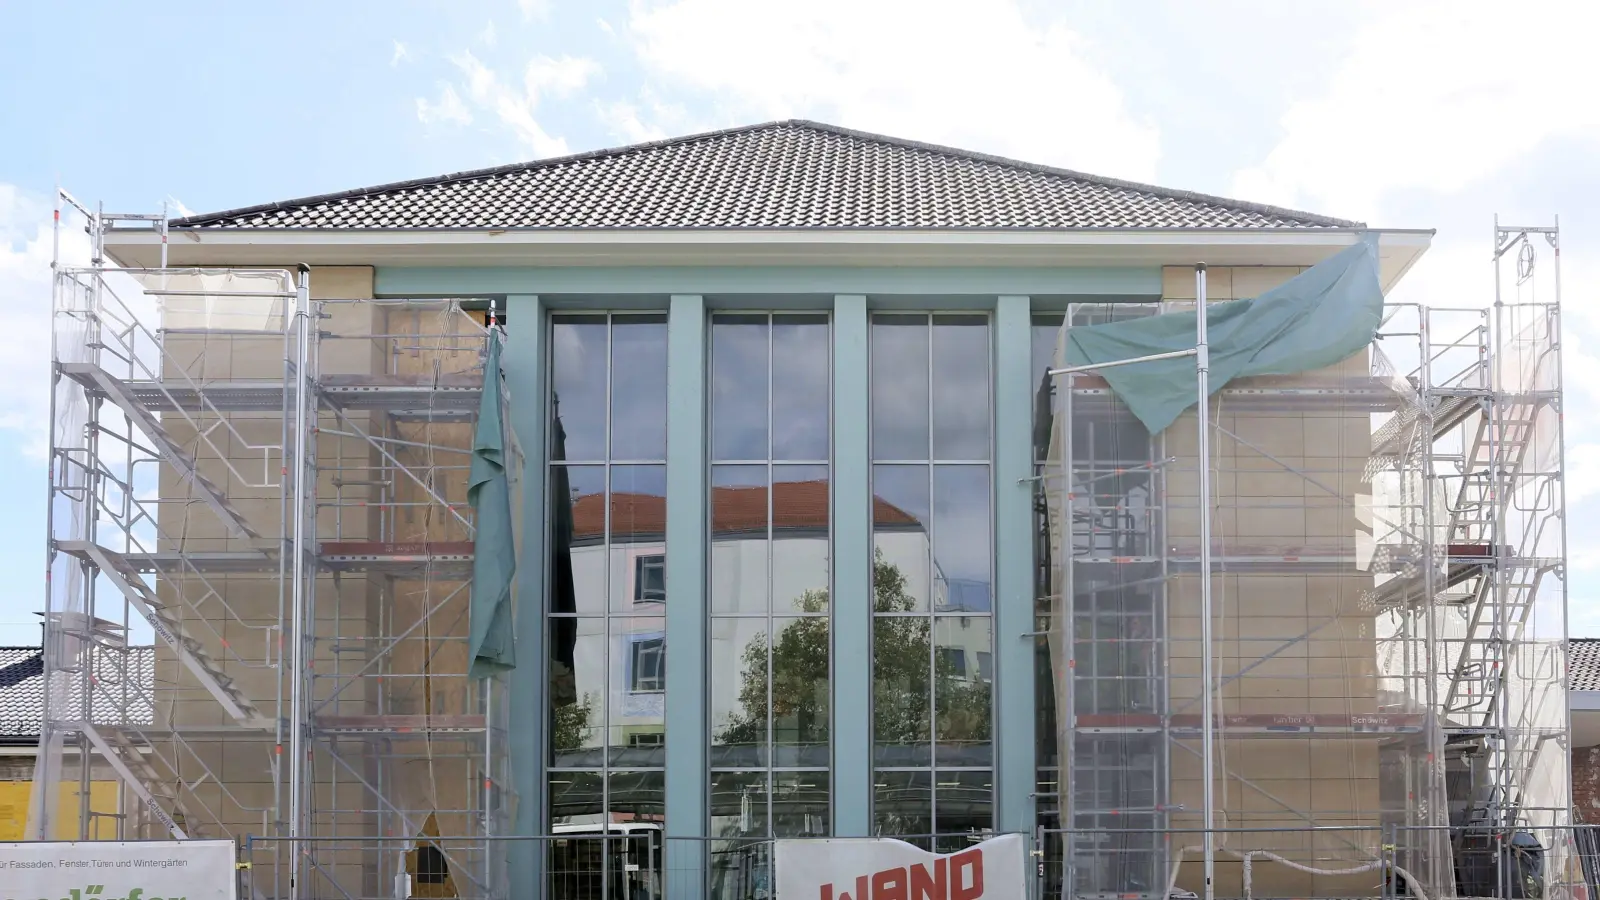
(118, 870)
(881, 868)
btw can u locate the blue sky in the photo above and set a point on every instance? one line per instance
(1413, 114)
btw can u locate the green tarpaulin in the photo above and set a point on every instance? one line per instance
(1320, 317)
(494, 559)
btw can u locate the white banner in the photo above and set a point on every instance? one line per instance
(884, 869)
(117, 870)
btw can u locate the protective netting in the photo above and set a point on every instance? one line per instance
(1387, 614)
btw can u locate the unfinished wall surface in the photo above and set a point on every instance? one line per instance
(1292, 628)
(236, 616)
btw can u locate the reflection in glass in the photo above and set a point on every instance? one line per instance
(900, 538)
(639, 387)
(800, 804)
(800, 396)
(578, 697)
(800, 691)
(962, 720)
(591, 859)
(607, 566)
(800, 516)
(901, 708)
(962, 547)
(739, 804)
(739, 372)
(739, 504)
(899, 387)
(903, 804)
(578, 383)
(638, 534)
(960, 387)
(963, 807)
(578, 528)
(637, 722)
(576, 796)
(739, 701)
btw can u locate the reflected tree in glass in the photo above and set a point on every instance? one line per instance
(906, 669)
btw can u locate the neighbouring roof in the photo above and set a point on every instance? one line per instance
(1583, 664)
(790, 174)
(22, 692)
(796, 506)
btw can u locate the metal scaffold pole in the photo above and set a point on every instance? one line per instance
(1202, 370)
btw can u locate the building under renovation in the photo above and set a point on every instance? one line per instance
(577, 528)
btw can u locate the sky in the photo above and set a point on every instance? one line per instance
(1401, 114)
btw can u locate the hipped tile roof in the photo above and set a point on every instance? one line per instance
(789, 174)
(22, 691)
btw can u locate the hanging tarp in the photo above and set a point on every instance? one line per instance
(494, 560)
(1316, 319)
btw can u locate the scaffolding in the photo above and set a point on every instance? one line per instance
(1385, 649)
(269, 485)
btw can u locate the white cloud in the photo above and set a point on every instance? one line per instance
(980, 76)
(25, 252)
(401, 54)
(1433, 96)
(448, 108)
(488, 35)
(534, 9)
(515, 107)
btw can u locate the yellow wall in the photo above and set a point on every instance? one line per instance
(14, 797)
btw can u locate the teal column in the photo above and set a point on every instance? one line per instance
(526, 366)
(852, 572)
(1014, 712)
(688, 729)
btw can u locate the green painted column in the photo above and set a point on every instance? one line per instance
(1014, 721)
(852, 572)
(526, 364)
(688, 729)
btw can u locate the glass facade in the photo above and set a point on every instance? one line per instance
(608, 593)
(769, 587)
(933, 583)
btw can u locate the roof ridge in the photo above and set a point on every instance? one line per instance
(903, 143)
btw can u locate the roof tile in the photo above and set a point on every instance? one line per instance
(791, 174)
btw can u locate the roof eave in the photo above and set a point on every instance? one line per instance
(1399, 248)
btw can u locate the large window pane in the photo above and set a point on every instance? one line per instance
(962, 690)
(800, 804)
(740, 703)
(578, 382)
(639, 387)
(963, 808)
(800, 701)
(638, 537)
(800, 517)
(739, 388)
(739, 805)
(578, 690)
(739, 574)
(900, 387)
(578, 515)
(960, 387)
(903, 804)
(901, 514)
(800, 398)
(962, 544)
(902, 710)
(637, 720)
